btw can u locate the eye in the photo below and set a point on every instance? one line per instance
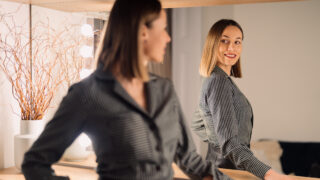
(237, 42)
(224, 41)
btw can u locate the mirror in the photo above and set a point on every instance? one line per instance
(279, 63)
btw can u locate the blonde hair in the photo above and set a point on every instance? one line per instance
(209, 54)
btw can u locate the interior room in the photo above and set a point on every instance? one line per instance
(279, 65)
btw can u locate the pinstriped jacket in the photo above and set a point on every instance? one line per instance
(225, 120)
(130, 143)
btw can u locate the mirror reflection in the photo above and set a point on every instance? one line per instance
(279, 65)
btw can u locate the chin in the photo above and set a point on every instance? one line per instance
(157, 60)
(232, 62)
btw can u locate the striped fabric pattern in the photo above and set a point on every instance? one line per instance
(228, 118)
(130, 143)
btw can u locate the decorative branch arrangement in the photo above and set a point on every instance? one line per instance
(70, 61)
(36, 77)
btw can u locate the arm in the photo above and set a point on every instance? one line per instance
(58, 134)
(225, 126)
(198, 126)
(189, 161)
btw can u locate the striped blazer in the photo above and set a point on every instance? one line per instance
(129, 142)
(224, 119)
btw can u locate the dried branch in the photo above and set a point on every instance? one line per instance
(55, 60)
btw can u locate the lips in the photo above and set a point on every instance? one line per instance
(230, 55)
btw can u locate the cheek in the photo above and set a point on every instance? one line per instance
(222, 48)
(153, 48)
(221, 51)
(239, 50)
(153, 42)
(150, 45)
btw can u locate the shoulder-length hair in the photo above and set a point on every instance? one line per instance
(210, 51)
(119, 45)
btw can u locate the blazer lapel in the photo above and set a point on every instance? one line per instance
(122, 93)
(152, 95)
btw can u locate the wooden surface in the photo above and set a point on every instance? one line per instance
(89, 174)
(103, 5)
(87, 171)
(76, 170)
(74, 173)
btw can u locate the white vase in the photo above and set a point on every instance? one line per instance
(77, 151)
(29, 132)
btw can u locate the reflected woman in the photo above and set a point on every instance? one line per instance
(132, 117)
(225, 118)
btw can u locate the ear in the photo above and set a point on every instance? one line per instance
(144, 33)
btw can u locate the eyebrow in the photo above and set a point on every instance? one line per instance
(229, 37)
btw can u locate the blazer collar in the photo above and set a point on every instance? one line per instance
(218, 70)
(103, 74)
(151, 91)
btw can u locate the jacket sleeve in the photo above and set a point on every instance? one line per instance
(58, 134)
(198, 126)
(189, 161)
(225, 126)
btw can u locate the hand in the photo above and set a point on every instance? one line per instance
(273, 175)
(207, 178)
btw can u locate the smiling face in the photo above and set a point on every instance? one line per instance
(155, 39)
(230, 48)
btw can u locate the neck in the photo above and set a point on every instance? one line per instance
(226, 69)
(123, 80)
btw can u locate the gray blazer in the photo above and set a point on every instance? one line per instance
(225, 120)
(129, 142)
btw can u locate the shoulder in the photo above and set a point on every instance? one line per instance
(159, 81)
(217, 81)
(81, 90)
(80, 86)
(162, 86)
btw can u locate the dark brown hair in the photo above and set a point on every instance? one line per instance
(209, 54)
(120, 46)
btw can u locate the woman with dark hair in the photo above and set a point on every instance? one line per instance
(132, 117)
(225, 118)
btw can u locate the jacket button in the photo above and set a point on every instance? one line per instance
(158, 168)
(152, 127)
(158, 148)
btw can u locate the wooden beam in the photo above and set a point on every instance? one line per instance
(104, 5)
(197, 3)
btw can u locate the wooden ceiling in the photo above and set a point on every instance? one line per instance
(103, 5)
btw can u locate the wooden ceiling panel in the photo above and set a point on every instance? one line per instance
(84, 6)
(194, 3)
(103, 5)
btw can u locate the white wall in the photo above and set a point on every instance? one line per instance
(186, 48)
(281, 76)
(279, 63)
(9, 109)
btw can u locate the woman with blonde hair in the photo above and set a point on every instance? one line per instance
(132, 117)
(225, 118)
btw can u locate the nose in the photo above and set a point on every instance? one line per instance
(231, 46)
(168, 38)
